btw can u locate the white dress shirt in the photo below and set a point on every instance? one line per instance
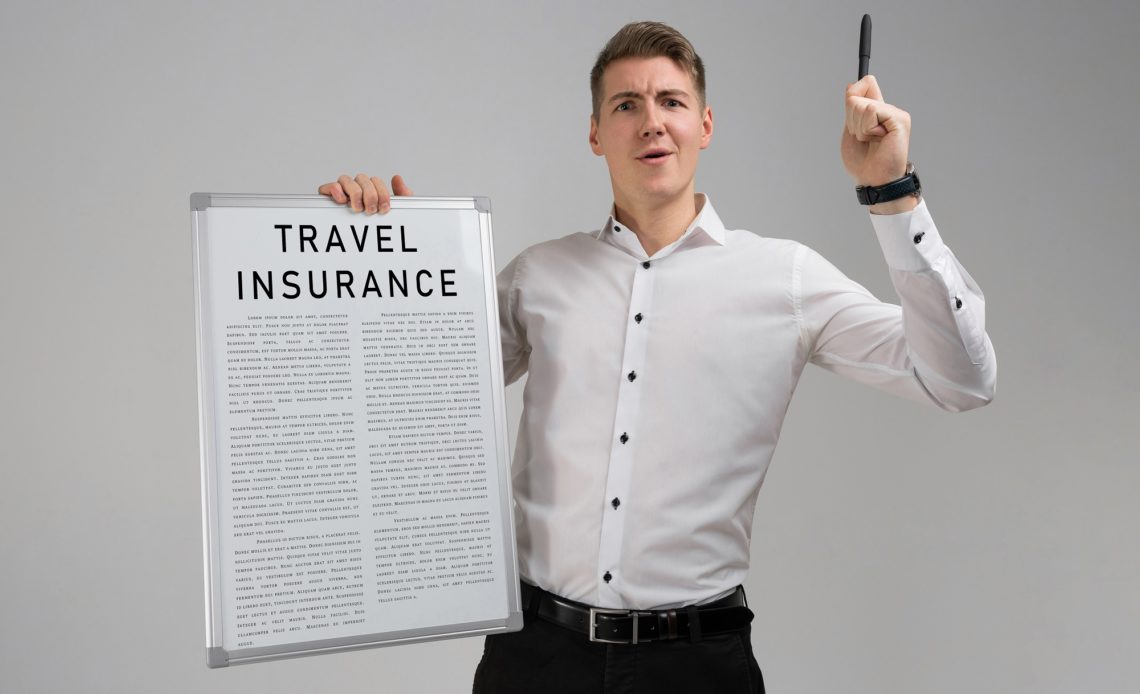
(658, 385)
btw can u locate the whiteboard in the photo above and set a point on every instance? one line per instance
(355, 469)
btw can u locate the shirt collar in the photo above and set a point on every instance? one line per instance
(705, 229)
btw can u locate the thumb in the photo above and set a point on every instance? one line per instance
(868, 87)
(399, 187)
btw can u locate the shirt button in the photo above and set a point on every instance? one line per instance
(918, 237)
(632, 375)
(617, 228)
(607, 577)
(624, 437)
(645, 265)
(638, 318)
(957, 303)
(616, 502)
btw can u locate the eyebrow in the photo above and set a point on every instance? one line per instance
(637, 95)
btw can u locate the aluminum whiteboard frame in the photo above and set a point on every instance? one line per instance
(216, 653)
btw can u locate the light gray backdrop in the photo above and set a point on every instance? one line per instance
(896, 548)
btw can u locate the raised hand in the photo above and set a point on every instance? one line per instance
(876, 135)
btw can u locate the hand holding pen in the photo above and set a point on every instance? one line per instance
(876, 135)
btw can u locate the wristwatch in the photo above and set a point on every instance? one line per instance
(898, 188)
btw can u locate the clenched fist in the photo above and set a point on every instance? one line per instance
(876, 135)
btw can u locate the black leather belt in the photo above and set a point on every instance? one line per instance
(603, 625)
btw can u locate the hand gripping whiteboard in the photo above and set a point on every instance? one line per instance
(355, 469)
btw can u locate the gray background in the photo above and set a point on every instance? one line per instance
(896, 548)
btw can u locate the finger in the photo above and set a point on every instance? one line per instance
(849, 113)
(868, 87)
(857, 117)
(369, 196)
(383, 197)
(866, 122)
(874, 119)
(874, 127)
(855, 110)
(888, 118)
(399, 187)
(334, 191)
(873, 90)
(353, 190)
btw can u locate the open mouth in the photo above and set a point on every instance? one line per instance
(655, 155)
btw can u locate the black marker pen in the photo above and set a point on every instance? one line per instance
(865, 46)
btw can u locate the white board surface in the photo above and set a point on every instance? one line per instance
(355, 467)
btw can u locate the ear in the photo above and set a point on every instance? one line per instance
(707, 127)
(595, 146)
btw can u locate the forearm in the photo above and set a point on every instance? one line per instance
(943, 310)
(932, 347)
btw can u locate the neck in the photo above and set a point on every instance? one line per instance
(657, 225)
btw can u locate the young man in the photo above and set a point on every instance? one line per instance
(662, 351)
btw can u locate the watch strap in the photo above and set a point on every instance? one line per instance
(908, 184)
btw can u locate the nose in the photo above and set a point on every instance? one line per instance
(653, 124)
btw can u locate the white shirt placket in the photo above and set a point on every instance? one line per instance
(616, 503)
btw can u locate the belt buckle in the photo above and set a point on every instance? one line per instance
(595, 611)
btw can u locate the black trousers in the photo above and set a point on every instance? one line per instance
(545, 658)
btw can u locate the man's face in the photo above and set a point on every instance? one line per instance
(650, 128)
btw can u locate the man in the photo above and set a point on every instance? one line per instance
(663, 350)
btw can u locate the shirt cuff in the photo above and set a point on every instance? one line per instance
(909, 240)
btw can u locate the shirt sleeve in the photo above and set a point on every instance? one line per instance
(932, 348)
(516, 349)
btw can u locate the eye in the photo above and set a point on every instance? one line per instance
(624, 106)
(672, 103)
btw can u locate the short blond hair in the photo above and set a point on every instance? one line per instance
(648, 40)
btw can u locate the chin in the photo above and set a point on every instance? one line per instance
(661, 188)
(663, 191)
